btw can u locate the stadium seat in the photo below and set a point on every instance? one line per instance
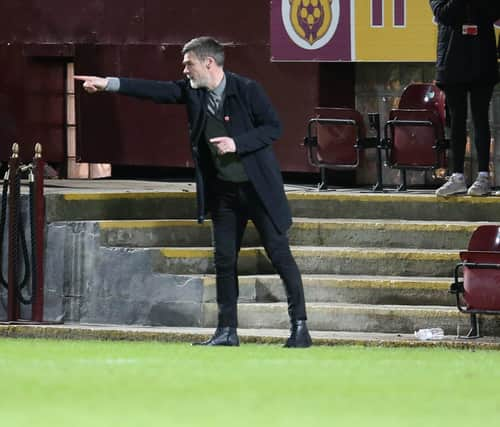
(335, 137)
(478, 291)
(414, 135)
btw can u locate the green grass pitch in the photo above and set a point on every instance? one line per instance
(120, 384)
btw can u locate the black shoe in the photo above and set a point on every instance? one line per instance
(299, 335)
(223, 336)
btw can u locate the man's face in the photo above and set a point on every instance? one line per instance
(196, 70)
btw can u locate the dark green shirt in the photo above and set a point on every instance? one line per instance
(228, 166)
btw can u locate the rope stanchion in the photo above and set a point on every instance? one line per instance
(38, 236)
(13, 307)
(18, 253)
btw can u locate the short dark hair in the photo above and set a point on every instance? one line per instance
(204, 47)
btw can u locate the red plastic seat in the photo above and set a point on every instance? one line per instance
(334, 139)
(414, 135)
(424, 96)
(485, 238)
(479, 290)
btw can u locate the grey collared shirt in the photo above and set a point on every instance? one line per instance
(216, 98)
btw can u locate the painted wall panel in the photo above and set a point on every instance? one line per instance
(32, 104)
(408, 33)
(141, 38)
(240, 22)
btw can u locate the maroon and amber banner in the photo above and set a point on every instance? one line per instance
(353, 30)
(311, 30)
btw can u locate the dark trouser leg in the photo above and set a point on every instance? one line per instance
(278, 250)
(229, 223)
(480, 97)
(456, 101)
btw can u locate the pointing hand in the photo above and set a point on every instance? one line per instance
(92, 84)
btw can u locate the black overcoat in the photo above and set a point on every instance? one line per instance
(250, 120)
(465, 59)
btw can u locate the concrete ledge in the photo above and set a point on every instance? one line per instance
(305, 231)
(99, 205)
(403, 319)
(344, 289)
(316, 260)
(257, 336)
(410, 206)
(124, 205)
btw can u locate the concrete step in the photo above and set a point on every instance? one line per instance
(305, 231)
(412, 205)
(343, 289)
(357, 318)
(88, 206)
(316, 260)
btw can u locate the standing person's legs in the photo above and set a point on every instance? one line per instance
(480, 97)
(278, 250)
(228, 222)
(456, 101)
(228, 225)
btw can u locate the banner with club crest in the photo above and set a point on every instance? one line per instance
(353, 30)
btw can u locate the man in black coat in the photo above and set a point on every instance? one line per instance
(466, 64)
(232, 126)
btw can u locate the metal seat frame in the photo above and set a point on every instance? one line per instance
(431, 107)
(483, 254)
(343, 117)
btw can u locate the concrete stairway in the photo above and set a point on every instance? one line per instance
(375, 276)
(370, 262)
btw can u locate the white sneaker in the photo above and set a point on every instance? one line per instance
(455, 185)
(480, 187)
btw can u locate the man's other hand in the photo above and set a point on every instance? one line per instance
(92, 84)
(224, 144)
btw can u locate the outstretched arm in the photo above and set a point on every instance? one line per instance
(163, 92)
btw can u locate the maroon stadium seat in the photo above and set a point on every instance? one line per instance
(335, 137)
(478, 292)
(414, 135)
(424, 96)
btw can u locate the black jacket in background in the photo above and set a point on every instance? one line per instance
(461, 58)
(250, 120)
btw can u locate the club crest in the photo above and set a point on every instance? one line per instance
(310, 23)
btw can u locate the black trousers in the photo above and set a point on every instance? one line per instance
(456, 100)
(232, 206)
